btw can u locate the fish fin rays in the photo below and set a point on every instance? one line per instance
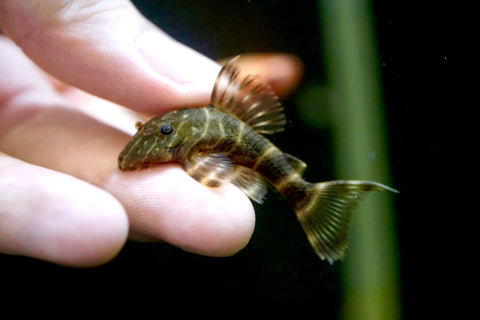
(248, 99)
(215, 170)
(327, 211)
(250, 182)
(212, 169)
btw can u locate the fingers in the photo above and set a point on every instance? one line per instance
(162, 204)
(51, 216)
(45, 214)
(109, 49)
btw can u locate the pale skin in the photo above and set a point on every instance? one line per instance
(62, 197)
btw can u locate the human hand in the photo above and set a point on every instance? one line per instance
(62, 198)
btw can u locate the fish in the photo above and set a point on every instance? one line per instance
(225, 142)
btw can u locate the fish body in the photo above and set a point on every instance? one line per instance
(224, 142)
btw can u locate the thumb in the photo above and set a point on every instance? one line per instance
(109, 49)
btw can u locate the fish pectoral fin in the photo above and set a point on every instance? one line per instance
(250, 182)
(297, 164)
(216, 169)
(248, 99)
(210, 169)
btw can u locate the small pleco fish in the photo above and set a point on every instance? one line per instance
(223, 142)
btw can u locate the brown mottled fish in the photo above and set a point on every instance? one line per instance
(223, 142)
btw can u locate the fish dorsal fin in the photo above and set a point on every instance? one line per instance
(248, 99)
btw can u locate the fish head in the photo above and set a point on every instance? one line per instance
(156, 141)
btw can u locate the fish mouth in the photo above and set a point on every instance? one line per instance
(127, 163)
(123, 164)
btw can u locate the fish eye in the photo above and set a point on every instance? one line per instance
(166, 129)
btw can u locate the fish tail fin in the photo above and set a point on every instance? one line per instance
(326, 210)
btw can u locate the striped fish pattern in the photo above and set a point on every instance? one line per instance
(224, 142)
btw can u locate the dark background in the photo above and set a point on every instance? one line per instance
(415, 55)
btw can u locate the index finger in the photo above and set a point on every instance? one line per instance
(109, 49)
